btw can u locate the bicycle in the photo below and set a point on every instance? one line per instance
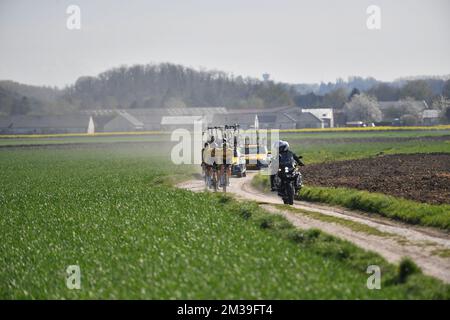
(214, 180)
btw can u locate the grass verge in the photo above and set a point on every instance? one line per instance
(406, 275)
(352, 225)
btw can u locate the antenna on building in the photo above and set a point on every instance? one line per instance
(266, 77)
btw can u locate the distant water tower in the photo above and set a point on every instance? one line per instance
(266, 77)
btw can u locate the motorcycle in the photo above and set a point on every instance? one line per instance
(288, 182)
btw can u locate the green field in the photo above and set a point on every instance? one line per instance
(112, 211)
(365, 135)
(298, 139)
(316, 151)
(111, 208)
(80, 140)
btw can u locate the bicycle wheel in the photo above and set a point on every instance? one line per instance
(214, 181)
(224, 180)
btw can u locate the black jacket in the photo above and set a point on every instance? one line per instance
(289, 157)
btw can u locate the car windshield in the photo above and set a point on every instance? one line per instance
(254, 150)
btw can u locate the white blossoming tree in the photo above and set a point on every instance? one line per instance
(362, 108)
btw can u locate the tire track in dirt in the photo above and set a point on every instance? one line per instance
(398, 239)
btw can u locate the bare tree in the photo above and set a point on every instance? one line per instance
(169, 85)
(405, 107)
(418, 89)
(442, 104)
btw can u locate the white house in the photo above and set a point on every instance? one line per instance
(324, 114)
(430, 117)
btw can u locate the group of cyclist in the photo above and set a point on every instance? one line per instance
(217, 158)
(216, 162)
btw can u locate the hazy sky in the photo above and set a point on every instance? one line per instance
(293, 40)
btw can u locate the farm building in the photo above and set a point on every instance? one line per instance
(171, 118)
(153, 119)
(123, 122)
(308, 120)
(430, 117)
(273, 118)
(160, 119)
(324, 114)
(5, 124)
(75, 123)
(170, 123)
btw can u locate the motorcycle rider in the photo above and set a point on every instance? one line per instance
(285, 157)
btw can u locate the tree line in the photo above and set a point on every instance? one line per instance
(174, 86)
(421, 89)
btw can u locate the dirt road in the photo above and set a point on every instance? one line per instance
(429, 248)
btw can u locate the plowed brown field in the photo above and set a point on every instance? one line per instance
(419, 177)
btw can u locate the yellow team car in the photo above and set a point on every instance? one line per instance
(238, 167)
(255, 158)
